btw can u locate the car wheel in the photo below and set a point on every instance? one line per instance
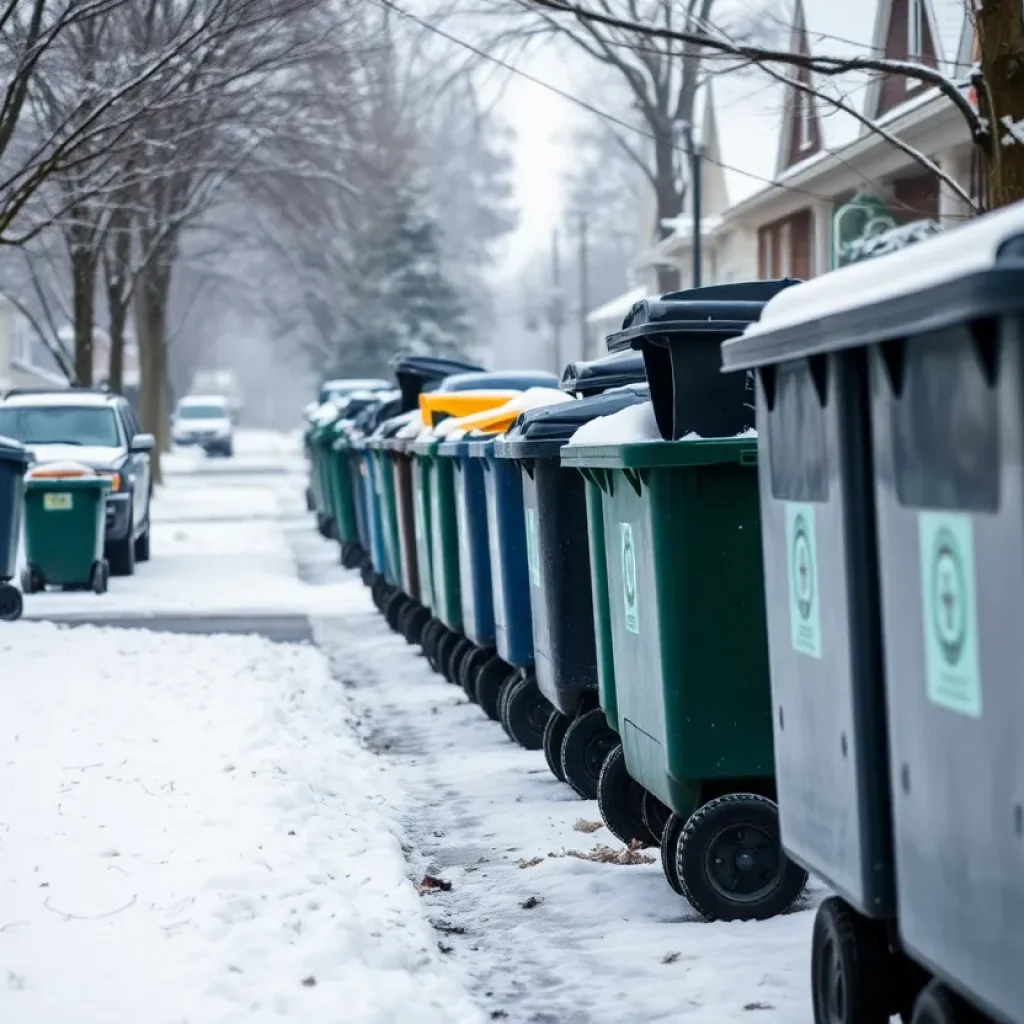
(142, 546)
(121, 554)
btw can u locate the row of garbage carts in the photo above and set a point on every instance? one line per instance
(765, 652)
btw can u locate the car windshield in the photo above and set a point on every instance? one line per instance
(202, 412)
(56, 424)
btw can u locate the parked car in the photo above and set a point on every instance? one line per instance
(100, 431)
(207, 421)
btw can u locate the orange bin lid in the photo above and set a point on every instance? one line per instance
(438, 405)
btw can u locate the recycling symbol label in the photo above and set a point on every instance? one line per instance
(629, 577)
(802, 562)
(949, 611)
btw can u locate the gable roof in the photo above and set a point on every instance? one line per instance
(752, 105)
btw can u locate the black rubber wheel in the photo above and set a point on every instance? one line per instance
(619, 797)
(445, 649)
(656, 816)
(32, 581)
(669, 841)
(489, 681)
(351, 554)
(429, 640)
(12, 606)
(121, 554)
(731, 863)
(323, 526)
(848, 967)
(938, 1004)
(415, 622)
(463, 647)
(470, 668)
(99, 576)
(588, 741)
(511, 682)
(527, 711)
(396, 604)
(310, 503)
(408, 609)
(142, 553)
(554, 734)
(380, 591)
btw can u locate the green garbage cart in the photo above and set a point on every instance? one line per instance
(65, 520)
(682, 553)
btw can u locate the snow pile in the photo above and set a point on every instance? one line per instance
(193, 833)
(634, 423)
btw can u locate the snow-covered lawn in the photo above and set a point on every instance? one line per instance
(190, 832)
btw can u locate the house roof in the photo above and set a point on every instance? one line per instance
(751, 105)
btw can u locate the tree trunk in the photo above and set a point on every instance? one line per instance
(151, 328)
(1000, 26)
(116, 264)
(83, 272)
(118, 322)
(669, 196)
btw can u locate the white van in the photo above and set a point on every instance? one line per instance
(206, 421)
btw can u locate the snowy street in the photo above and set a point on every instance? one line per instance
(198, 829)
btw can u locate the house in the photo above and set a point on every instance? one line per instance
(803, 173)
(24, 360)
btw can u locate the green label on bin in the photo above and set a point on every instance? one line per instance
(802, 557)
(532, 554)
(949, 611)
(629, 577)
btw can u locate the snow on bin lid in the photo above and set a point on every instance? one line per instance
(716, 309)
(65, 470)
(499, 380)
(497, 421)
(629, 425)
(14, 451)
(942, 262)
(596, 375)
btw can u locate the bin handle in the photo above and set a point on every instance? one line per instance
(635, 480)
(748, 457)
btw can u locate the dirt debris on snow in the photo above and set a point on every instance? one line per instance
(582, 825)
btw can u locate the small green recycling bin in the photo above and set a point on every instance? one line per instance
(682, 550)
(65, 520)
(936, 335)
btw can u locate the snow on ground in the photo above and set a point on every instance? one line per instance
(192, 833)
(547, 935)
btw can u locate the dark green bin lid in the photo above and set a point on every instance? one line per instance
(662, 454)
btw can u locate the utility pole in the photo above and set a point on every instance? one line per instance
(693, 152)
(584, 284)
(556, 315)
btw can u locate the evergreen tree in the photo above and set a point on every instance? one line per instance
(402, 299)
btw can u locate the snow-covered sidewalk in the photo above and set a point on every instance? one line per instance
(190, 833)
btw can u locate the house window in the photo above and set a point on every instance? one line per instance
(805, 111)
(915, 34)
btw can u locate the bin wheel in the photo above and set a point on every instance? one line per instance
(99, 576)
(32, 581)
(415, 623)
(620, 797)
(11, 604)
(849, 966)
(588, 742)
(489, 681)
(396, 605)
(351, 555)
(310, 503)
(469, 670)
(510, 682)
(463, 647)
(433, 644)
(554, 735)
(527, 711)
(323, 526)
(938, 1004)
(669, 842)
(445, 649)
(656, 816)
(380, 592)
(731, 863)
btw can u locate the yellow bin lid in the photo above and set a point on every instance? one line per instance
(498, 419)
(437, 405)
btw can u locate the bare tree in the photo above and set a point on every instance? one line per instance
(998, 77)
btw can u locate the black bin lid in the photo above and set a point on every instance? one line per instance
(540, 433)
(597, 375)
(497, 380)
(392, 425)
(680, 336)
(15, 452)
(725, 310)
(416, 374)
(378, 411)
